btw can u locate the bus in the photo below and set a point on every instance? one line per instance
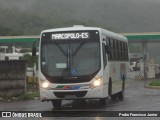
(81, 63)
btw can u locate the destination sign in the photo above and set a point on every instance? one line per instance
(77, 35)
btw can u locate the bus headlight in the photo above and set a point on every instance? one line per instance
(45, 84)
(97, 82)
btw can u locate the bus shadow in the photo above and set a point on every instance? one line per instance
(81, 105)
(92, 104)
(90, 108)
(89, 105)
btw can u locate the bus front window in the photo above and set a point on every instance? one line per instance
(70, 59)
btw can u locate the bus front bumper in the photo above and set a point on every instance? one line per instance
(91, 93)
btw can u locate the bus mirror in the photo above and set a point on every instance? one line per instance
(33, 51)
(107, 49)
(34, 47)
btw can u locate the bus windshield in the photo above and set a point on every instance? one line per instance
(70, 58)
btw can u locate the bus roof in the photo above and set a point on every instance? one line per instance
(113, 35)
(80, 27)
(74, 28)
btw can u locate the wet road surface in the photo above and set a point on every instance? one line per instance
(137, 98)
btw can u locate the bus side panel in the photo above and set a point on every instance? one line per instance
(115, 76)
(106, 80)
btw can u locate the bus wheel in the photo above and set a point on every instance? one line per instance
(103, 101)
(110, 87)
(56, 103)
(121, 95)
(114, 97)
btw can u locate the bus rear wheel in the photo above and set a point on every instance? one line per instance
(103, 101)
(121, 95)
(56, 103)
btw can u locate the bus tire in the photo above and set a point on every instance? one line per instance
(56, 103)
(103, 101)
(114, 96)
(121, 94)
(110, 87)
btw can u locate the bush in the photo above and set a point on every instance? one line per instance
(28, 96)
(155, 83)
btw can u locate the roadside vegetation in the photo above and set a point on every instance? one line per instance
(29, 96)
(155, 83)
(26, 96)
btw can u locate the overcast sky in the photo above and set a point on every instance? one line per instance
(122, 16)
(119, 15)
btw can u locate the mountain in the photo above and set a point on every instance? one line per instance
(31, 16)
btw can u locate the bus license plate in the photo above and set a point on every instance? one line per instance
(70, 96)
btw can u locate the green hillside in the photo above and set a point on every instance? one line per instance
(29, 17)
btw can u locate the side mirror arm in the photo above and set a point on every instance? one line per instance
(34, 49)
(108, 50)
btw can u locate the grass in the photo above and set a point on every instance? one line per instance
(29, 96)
(155, 83)
(5, 97)
(32, 93)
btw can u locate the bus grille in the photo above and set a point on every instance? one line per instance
(76, 93)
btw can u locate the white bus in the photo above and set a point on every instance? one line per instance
(79, 63)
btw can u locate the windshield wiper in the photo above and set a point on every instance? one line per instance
(78, 48)
(61, 49)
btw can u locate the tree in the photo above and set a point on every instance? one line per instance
(30, 59)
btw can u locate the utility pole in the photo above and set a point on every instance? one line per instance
(144, 52)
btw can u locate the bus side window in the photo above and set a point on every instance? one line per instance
(126, 51)
(108, 44)
(112, 50)
(118, 56)
(121, 55)
(115, 50)
(104, 55)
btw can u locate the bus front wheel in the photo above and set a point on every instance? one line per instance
(112, 96)
(56, 103)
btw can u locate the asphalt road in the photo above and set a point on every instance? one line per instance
(137, 98)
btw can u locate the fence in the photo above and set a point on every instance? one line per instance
(12, 77)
